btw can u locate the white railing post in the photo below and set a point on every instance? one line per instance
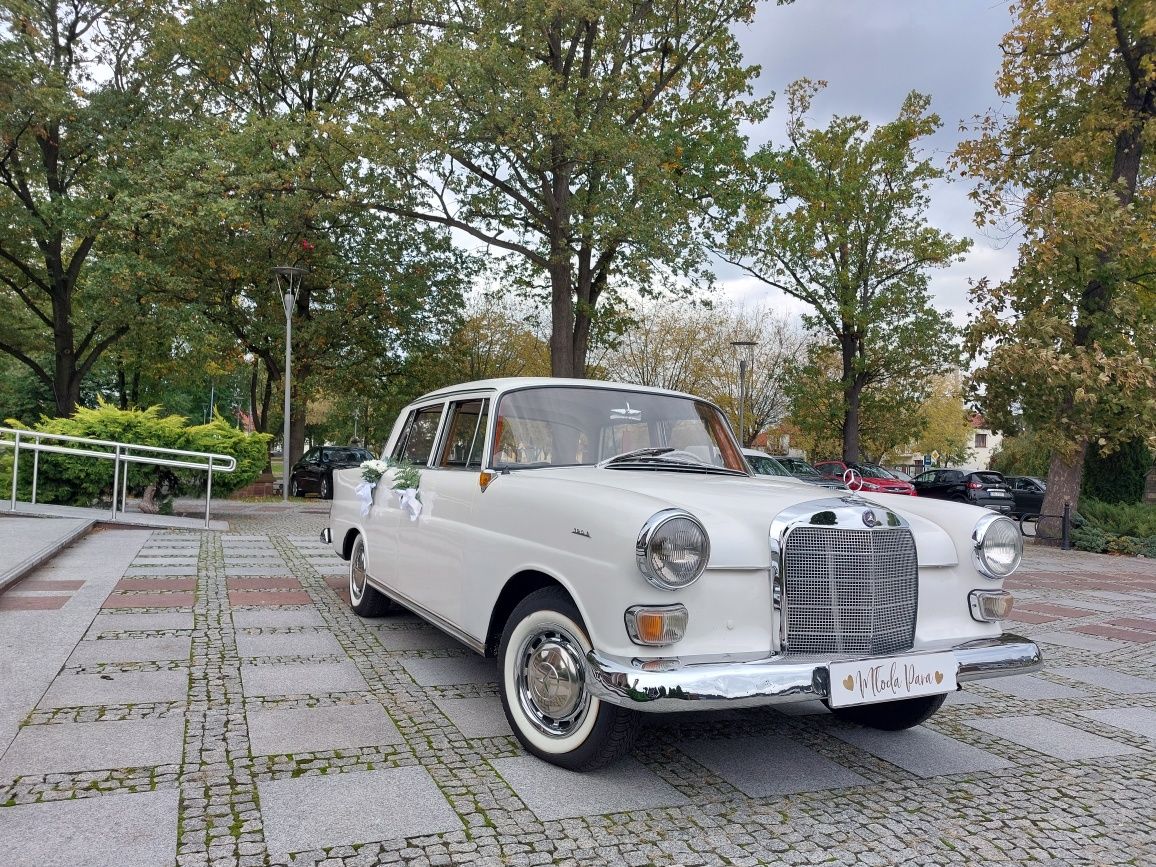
(124, 491)
(15, 470)
(208, 492)
(115, 481)
(35, 468)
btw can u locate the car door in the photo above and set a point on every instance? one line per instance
(925, 484)
(387, 521)
(435, 552)
(306, 471)
(1029, 496)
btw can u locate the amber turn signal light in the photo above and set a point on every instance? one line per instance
(656, 625)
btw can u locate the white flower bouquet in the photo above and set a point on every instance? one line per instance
(373, 470)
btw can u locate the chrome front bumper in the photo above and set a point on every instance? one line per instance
(776, 679)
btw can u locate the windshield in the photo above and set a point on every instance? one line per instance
(876, 472)
(346, 456)
(560, 426)
(799, 468)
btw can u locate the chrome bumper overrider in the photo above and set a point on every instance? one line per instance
(777, 679)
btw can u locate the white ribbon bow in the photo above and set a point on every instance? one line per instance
(364, 493)
(409, 502)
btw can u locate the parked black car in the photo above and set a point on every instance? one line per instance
(800, 469)
(1028, 494)
(985, 488)
(313, 474)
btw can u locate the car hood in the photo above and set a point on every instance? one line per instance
(737, 510)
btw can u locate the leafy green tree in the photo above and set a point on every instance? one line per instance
(77, 133)
(839, 223)
(890, 413)
(1068, 338)
(586, 140)
(947, 426)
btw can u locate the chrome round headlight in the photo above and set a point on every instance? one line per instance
(672, 549)
(998, 546)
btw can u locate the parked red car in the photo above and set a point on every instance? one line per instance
(875, 478)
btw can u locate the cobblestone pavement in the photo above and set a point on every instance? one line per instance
(209, 698)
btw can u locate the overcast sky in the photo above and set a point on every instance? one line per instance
(872, 53)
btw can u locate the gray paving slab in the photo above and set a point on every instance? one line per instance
(923, 752)
(760, 766)
(183, 552)
(1079, 641)
(301, 679)
(243, 555)
(156, 649)
(1031, 687)
(289, 644)
(417, 639)
(144, 559)
(26, 543)
(555, 793)
(165, 570)
(962, 697)
(92, 746)
(271, 569)
(452, 670)
(1106, 678)
(802, 708)
(312, 812)
(1138, 720)
(259, 618)
(135, 687)
(112, 830)
(278, 731)
(35, 644)
(143, 622)
(476, 717)
(1051, 737)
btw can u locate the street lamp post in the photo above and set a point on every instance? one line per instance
(287, 280)
(746, 353)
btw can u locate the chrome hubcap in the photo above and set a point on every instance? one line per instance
(551, 683)
(357, 574)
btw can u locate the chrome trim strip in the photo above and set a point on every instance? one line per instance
(428, 616)
(776, 679)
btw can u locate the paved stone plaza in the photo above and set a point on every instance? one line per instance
(173, 696)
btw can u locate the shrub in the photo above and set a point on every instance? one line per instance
(1149, 549)
(1119, 477)
(1089, 538)
(77, 481)
(1121, 519)
(1128, 545)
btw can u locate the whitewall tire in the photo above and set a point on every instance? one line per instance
(542, 662)
(365, 600)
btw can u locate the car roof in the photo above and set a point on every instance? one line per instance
(513, 383)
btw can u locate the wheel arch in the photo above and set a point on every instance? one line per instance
(517, 588)
(347, 543)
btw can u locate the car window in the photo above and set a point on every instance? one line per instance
(465, 435)
(988, 478)
(926, 477)
(312, 456)
(417, 440)
(568, 426)
(949, 476)
(875, 471)
(766, 465)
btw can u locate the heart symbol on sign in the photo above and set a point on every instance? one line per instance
(849, 682)
(939, 677)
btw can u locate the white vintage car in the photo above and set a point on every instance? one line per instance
(610, 546)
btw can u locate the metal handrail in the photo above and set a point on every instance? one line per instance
(121, 454)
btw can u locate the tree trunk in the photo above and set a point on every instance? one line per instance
(852, 391)
(1064, 480)
(562, 360)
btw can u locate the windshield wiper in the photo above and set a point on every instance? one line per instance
(637, 453)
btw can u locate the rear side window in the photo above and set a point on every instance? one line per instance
(465, 435)
(416, 442)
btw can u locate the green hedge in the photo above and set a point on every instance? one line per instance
(79, 481)
(1116, 528)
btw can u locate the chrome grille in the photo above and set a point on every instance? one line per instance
(849, 592)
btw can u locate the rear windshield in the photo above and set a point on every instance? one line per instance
(989, 478)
